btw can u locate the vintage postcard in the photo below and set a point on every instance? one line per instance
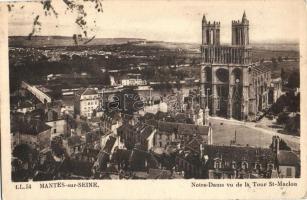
(104, 99)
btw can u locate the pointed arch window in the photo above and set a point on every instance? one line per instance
(217, 164)
(233, 165)
(244, 165)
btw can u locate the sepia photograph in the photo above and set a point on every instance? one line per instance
(154, 90)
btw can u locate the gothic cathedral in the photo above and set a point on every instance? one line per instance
(232, 86)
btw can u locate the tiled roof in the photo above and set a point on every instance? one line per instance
(228, 154)
(261, 68)
(102, 159)
(81, 168)
(31, 127)
(190, 156)
(159, 174)
(146, 131)
(167, 126)
(287, 158)
(190, 129)
(109, 144)
(137, 157)
(194, 145)
(25, 104)
(74, 140)
(125, 127)
(121, 155)
(89, 91)
(182, 128)
(239, 154)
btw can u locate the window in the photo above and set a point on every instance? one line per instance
(54, 130)
(270, 166)
(257, 166)
(233, 165)
(217, 164)
(244, 165)
(89, 103)
(160, 144)
(289, 172)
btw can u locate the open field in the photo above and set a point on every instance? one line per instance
(223, 133)
(54, 41)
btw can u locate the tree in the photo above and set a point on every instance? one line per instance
(293, 125)
(294, 80)
(274, 62)
(74, 6)
(282, 75)
(57, 146)
(25, 153)
(283, 118)
(282, 145)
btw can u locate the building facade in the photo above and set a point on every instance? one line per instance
(233, 83)
(86, 102)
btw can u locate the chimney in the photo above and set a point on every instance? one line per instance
(210, 135)
(206, 116)
(28, 119)
(202, 151)
(277, 144)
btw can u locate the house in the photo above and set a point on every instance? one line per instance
(68, 104)
(126, 133)
(288, 164)
(275, 90)
(136, 160)
(238, 162)
(30, 131)
(58, 125)
(140, 133)
(110, 121)
(189, 164)
(104, 155)
(133, 80)
(159, 174)
(73, 144)
(86, 101)
(141, 160)
(25, 107)
(171, 132)
(219, 162)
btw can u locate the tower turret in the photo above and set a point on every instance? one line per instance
(244, 19)
(204, 21)
(210, 32)
(240, 31)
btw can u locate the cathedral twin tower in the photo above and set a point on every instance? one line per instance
(227, 73)
(211, 32)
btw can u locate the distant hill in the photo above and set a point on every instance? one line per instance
(53, 41)
(278, 46)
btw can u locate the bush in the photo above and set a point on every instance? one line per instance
(282, 145)
(293, 125)
(283, 118)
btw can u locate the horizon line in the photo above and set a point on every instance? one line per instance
(267, 41)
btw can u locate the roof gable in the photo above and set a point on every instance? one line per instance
(89, 91)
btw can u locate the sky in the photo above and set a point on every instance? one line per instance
(167, 20)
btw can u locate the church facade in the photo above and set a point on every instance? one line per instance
(232, 85)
